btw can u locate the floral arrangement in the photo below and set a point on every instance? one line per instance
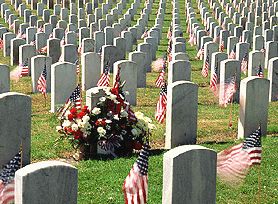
(111, 125)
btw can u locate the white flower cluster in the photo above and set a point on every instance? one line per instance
(109, 95)
(82, 124)
(144, 123)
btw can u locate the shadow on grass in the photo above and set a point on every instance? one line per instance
(217, 142)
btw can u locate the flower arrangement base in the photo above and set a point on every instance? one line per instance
(87, 152)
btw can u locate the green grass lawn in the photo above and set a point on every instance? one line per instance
(100, 181)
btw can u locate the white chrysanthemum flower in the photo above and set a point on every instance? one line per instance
(124, 113)
(85, 118)
(102, 99)
(107, 91)
(151, 126)
(134, 132)
(87, 126)
(58, 128)
(74, 127)
(147, 119)
(101, 131)
(96, 111)
(78, 121)
(139, 115)
(108, 121)
(113, 97)
(66, 123)
(116, 117)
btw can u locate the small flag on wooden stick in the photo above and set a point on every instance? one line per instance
(135, 186)
(42, 86)
(233, 163)
(160, 113)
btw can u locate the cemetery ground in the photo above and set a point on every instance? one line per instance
(100, 181)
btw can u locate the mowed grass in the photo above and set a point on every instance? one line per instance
(100, 181)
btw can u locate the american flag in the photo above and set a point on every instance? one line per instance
(41, 87)
(63, 42)
(1, 43)
(200, 53)
(244, 64)
(191, 39)
(208, 30)
(118, 79)
(135, 186)
(7, 180)
(229, 90)
(169, 34)
(75, 97)
(160, 113)
(77, 66)
(79, 50)
(40, 29)
(160, 79)
(73, 101)
(51, 35)
(33, 42)
(232, 54)
(233, 163)
(11, 26)
(159, 63)
(60, 58)
(205, 69)
(131, 114)
(21, 35)
(223, 26)
(169, 48)
(216, 38)
(24, 68)
(221, 46)
(104, 78)
(169, 51)
(43, 50)
(214, 81)
(260, 72)
(145, 34)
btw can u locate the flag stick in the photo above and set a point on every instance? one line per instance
(21, 150)
(259, 184)
(231, 113)
(44, 95)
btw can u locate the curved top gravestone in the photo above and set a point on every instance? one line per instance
(189, 175)
(46, 182)
(15, 127)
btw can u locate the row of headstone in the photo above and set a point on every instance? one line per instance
(111, 55)
(253, 87)
(182, 95)
(256, 57)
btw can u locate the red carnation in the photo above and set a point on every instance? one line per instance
(137, 145)
(81, 114)
(70, 117)
(73, 111)
(100, 122)
(115, 91)
(77, 134)
(85, 109)
(68, 130)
